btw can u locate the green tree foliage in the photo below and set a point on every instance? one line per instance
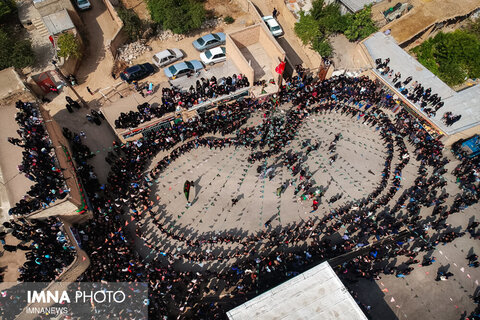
(474, 27)
(132, 24)
(14, 52)
(69, 46)
(307, 28)
(179, 16)
(7, 8)
(451, 56)
(323, 47)
(322, 21)
(360, 25)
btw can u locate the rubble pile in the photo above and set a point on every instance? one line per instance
(164, 35)
(131, 51)
(211, 23)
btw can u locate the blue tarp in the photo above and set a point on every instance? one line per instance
(473, 145)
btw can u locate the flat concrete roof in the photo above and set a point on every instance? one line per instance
(356, 5)
(315, 294)
(466, 102)
(10, 83)
(58, 22)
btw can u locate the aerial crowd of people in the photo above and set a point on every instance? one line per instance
(261, 260)
(428, 102)
(176, 98)
(39, 162)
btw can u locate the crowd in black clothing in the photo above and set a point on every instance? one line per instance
(429, 102)
(174, 98)
(274, 254)
(48, 252)
(39, 163)
(128, 187)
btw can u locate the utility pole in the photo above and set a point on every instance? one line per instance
(65, 80)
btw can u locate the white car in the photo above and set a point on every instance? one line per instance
(83, 4)
(273, 25)
(213, 56)
(167, 56)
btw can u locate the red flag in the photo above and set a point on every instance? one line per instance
(280, 68)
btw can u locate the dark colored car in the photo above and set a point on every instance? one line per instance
(137, 72)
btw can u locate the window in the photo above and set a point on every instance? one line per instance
(172, 69)
(208, 54)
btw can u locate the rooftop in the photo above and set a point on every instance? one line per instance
(356, 5)
(466, 102)
(58, 22)
(315, 294)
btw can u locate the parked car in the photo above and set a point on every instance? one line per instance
(273, 26)
(208, 41)
(83, 4)
(183, 68)
(213, 56)
(137, 72)
(168, 56)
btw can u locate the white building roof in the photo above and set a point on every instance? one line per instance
(315, 294)
(465, 103)
(58, 22)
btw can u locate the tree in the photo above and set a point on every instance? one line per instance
(360, 24)
(474, 27)
(307, 28)
(68, 45)
(451, 56)
(179, 16)
(323, 47)
(22, 54)
(7, 8)
(13, 52)
(132, 24)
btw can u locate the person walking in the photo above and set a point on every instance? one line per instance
(274, 13)
(89, 91)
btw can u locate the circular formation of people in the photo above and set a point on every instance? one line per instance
(292, 176)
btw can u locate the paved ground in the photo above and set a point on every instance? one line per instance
(221, 175)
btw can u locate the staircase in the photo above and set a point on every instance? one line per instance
(40, 26)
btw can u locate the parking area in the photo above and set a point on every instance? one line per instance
(218, 71)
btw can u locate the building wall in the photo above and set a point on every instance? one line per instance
(285, 13)
(59, 141)
(120, 36)
(64, 208)
(238, 59)
(245, 37)
(273, 49)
